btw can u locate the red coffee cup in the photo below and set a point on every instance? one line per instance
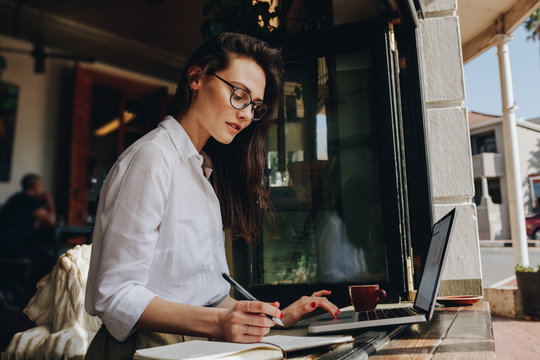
(366, 297)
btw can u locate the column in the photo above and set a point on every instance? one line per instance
(448, 142)
(485, 190)
(511, 154)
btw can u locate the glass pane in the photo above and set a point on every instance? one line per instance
(103, 141)
(347, 11)
(324, 177)
(535, 193)
(477, 191)
(484, 144)
(135, 120)
(494, 189)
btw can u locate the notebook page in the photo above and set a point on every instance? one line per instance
(293, 343)
(205, 350)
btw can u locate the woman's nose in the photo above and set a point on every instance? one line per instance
(246, 113)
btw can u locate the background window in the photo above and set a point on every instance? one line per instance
(324, 178)
(534, 184)
(477, 191)
(483, 143)
(494, 188)
(338, 168)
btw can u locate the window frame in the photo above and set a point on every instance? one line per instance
(403, 140)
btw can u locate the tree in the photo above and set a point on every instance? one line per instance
(252, 17)
(533, 26)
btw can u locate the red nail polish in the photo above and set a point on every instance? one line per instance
(339, 311)
(281, 316)
(314, 304)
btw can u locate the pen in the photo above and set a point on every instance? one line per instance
(247, 295)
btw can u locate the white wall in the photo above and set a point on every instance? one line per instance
(37, 116)
(43, 100)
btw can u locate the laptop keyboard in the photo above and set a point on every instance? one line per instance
(385, 313)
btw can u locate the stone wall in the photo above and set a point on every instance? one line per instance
(449, 144)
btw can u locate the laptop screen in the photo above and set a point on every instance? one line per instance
(434, 262)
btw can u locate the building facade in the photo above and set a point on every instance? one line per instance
(491, 194)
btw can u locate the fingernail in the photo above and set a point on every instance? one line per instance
(281, 316)
(339, 311)
(314, 304)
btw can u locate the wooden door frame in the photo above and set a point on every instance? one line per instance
(85, 79)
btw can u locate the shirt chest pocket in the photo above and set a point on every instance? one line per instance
(193, 246)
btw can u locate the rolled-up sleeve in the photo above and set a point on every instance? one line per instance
(135, 196)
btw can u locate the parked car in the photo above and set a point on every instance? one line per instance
(533, 226)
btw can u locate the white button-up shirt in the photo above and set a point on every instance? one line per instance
(158, 232)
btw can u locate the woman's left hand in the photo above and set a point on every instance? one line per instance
(305, 305)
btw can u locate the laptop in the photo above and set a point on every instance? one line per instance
(423, 307)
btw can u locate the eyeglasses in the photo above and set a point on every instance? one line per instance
(241, 99)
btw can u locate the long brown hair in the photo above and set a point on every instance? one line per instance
(238, 175)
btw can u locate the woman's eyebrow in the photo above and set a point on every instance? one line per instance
(245, 87)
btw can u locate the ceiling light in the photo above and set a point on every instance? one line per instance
(114, 124)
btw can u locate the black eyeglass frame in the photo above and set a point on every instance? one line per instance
(251, 102)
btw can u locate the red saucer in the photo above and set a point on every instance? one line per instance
(458, 300)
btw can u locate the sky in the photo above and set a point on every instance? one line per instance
(483, 84)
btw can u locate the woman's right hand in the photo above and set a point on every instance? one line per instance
(245, 321)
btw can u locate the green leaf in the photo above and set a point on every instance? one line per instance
(521, 268)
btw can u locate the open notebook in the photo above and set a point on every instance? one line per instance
(273, 347)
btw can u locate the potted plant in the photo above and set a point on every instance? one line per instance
(528, 280)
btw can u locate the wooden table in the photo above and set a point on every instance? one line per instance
(454, 333)
(463, 332)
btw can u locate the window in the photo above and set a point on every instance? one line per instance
(326, 189)
(483, 143)
(337, 168)
(117, 121)
(494, 188)
(534, 186)
(477, 191)
(109, 114)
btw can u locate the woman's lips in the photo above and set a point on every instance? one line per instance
(234, 126)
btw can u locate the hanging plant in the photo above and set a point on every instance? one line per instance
(258, 18)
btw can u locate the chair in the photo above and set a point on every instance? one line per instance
(64, 329)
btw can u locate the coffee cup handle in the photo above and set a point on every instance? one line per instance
(382, 295)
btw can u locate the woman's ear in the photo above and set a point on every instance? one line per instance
(194, 77)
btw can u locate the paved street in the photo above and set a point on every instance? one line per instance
(498, 263)
(514, 338)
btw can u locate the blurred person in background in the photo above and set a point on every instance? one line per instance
(27, 222)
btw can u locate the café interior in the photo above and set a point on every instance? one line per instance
(87, 80)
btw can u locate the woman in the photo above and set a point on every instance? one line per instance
(158, 244)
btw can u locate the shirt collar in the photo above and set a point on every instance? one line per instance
(207, 164)
(184, 145)
(179, 137)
